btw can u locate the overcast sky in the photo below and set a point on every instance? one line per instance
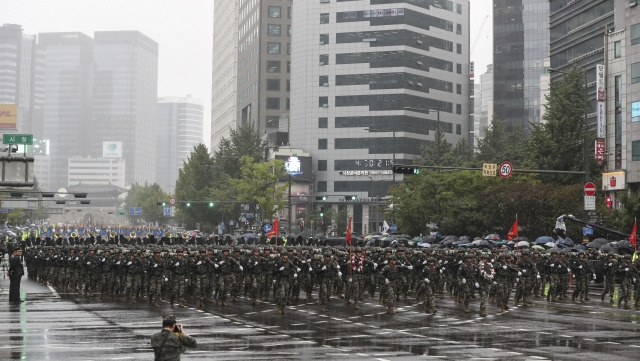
(183, 29)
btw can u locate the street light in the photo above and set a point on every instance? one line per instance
(585, 151)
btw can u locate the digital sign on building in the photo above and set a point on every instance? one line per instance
(298, 167)
(112, 149)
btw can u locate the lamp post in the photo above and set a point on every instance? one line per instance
(585, 135)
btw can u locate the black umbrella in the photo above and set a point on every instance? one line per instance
(625, 247)
(609, 247)
(597, 243)
(578, 247)
(544, 240)
(429, 239)
(566, 242)
(482, 244)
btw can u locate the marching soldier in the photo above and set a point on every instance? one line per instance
(283, 275)
(327, 271)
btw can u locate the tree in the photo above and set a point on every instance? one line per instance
(259, 184)
(147, 196)
(194, 184)
(557, 144)
(498, 145)
(243, 142)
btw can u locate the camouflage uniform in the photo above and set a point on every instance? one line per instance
(227, 266)
(627, 272)
(583, 272)
(430, 277)
(391, 275)
(327, 271)
(134, 275)
(106, 272)
(179, 267)
(527, 275)
(200, 270)
(156, 275)
(283, 275)
(610, 267)
(467, 273)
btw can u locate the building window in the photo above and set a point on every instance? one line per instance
(635, 34)
(458, 28)
(274, 29)
(459, 68)
(273, 48)
(273, 66)
(459, 48)
(273, 84)
(323, 102)
(635, 73)
(324, 59)
(288, 85)
(273, 103)
(323, 122)
(617, 49)
(322, 165)
(635, 151)
(458, 129)
(273, 122)
(322, 143)
(459, 8)
(288, 101)
(288, 67)
(458, 88)
(324, 18)
(323, 80)
(458, 108)
(288, 30)
(289, 12)
(324, 39)
(274, 12)
(635, 112)
(322, 187)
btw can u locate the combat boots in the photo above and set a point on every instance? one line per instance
(356, 306)
(573, 297)
(181, 305)
(483, 313)
(427, 310)
(526, 304)
(157, 304)
(500, 310)
(466, 309)
(626, 305)
(602, 297)
(323, 307)
(148, 301)
(516, 302)
(390, 310)
(619, 302)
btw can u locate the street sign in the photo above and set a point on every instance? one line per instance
(506, 168)
(589, 203)
(135, 211)
(489, 169)
(172, 201)
(166, 211)
(587, 230)
(267, 227)
(393, 228)
(590, 189)
(17, 138)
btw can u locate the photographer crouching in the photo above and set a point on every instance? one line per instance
(170, 342)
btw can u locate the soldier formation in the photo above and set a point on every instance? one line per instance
(200, 275)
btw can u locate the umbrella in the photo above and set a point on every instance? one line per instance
(544, 240)
(429, 239)
(538, 247)
(451, 238)
(609, 247)
(550, 245)
(424, 245)
(625, 247)
(418, 239)
(464, 239)
(566, 242)
(482, 244)
(579, 247)
(493, 237)
(524, 244)
(597, 243)
(521, 238)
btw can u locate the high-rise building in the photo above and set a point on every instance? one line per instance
(577, 33)
(21, 80)
(264, 66)
(224, 88)
(370, 84)
(67, 99)
(179, 130)
(521, 45)
(125, 92)
(484, 96)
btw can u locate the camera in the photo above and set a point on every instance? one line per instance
(177, 328)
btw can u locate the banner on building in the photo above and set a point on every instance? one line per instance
(112, 149)
(600, 82)
(8, 117)
(612, 181)
(602, 120)
(600, 151)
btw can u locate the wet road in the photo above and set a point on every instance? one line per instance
(51, 326)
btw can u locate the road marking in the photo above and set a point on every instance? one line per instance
(545, 333)
(566, 336)
(613, 343)
(588, 339)
(634, 345)
(320, 322)
(54, 292)
(298, 324)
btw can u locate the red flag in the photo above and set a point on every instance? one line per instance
(513, 232)
(274, 230)
(349, 231)
(632, 237)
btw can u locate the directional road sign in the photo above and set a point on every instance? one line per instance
(17, 138)
(166, 211)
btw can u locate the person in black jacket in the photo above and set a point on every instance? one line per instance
(16, 271)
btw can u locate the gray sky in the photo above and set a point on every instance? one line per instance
(183, 29)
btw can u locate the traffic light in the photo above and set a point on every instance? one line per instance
(188, 204)
(350, 197)
(403, 169)
(161, 204)
(323, 198)
(210, 204)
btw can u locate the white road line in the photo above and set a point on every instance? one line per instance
(55, 294)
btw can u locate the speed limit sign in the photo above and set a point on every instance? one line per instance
(506, 168)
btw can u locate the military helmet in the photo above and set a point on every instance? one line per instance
(554, 251)
(431, 259)
(627, 256)
(327, 254)
(392, 257)
(468, 255)
(485, 256)
(525, 252)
